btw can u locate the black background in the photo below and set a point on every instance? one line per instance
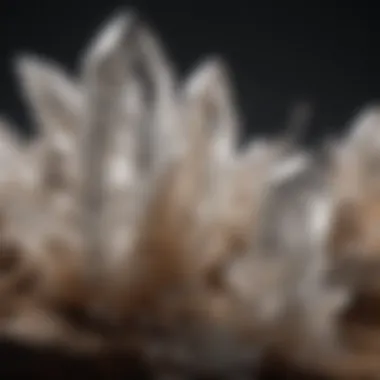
(279, 52)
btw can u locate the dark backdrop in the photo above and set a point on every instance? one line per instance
(279, 52)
